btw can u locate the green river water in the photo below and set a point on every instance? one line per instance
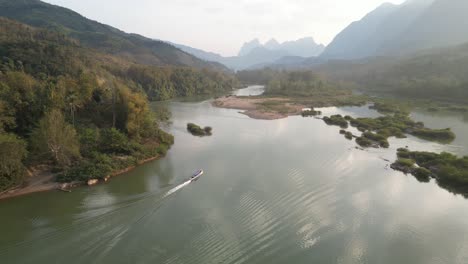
(284, 191)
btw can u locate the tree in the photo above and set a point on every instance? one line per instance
(56, 139)
(12, 153)
(78, 91)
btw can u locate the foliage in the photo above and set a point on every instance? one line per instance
(102, 38)
(198, 131)
(56, 139)
(337, 120)
(450, 171)
(347, 134)
(311, 112)
(170, 82)
(12, 153)
(72, 106)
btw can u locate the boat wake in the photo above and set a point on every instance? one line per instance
(177, 188)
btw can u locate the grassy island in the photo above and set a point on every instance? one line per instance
(336, 120)
(311, 112)
(198, 131)
(395, 123)
(347, 134)
(450, 171)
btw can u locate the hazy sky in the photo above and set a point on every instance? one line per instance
(222, 26)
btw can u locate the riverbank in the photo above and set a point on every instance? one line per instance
(42, 179)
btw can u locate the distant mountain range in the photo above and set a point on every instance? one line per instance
(402, 29)
(305, 47)
(254, 53)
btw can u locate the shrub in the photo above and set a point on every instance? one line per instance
(113, 141)
(336, 120)
(405, 162)
(364, 142)
(12, 153)
(422, 174)
(198, 131)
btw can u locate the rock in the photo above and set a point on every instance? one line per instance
(92, 182)
(106, 178)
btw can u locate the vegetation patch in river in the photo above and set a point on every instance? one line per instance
(395, 123)
(311, 112)
(198, 131)
(450, 171)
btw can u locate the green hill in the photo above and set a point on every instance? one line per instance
(99, 36)
(83, 112)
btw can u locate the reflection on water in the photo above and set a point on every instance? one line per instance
(290, 190)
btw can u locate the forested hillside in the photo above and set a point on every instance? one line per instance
(83, 112)
(435, 74)
(98, 36)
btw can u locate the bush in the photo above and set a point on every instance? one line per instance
(89, 140)
(336, 120)
(98, 167)
(113, 141)
(364, 142)
(405, 162)
(198, 131)
(12, 153)
(208, 130)
(422, 174)
(444, 135)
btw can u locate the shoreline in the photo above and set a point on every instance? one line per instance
(43, 182)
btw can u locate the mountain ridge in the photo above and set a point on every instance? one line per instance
(101, 37)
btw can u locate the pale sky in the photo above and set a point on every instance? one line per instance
(222, 26)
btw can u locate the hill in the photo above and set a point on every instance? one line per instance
(98, 36)
(82, 112)
(402, 29)
(253, 54)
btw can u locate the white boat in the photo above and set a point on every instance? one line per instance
(196, 175)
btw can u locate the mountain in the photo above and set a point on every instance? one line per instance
(434, 73)
(259, 55)
(444, 23)
(201, 54)
(351, 42)
(98, 36)
(402, 29)
(248, 47)
(272, 44)
(254, 54)
(305, 47)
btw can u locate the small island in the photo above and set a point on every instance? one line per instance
(395, 122)
(198, 131)
(450, 171)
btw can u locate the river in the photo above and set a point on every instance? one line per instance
(283, 191)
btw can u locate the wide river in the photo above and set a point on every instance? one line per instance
(284, 191)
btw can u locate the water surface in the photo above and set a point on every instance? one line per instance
(284, 191)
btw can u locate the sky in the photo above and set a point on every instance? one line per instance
(222, 26)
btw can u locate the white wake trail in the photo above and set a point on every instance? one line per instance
(175, 189)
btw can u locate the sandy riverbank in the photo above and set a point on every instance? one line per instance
(41, 179)
(261, 108)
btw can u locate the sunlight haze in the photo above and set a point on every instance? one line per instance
(223, 26)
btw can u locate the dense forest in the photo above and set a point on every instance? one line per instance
(300, 83)
(438, 74)
(82, 112)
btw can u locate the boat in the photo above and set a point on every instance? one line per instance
(196, 175)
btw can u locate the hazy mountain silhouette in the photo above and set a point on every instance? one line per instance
(402, 29)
